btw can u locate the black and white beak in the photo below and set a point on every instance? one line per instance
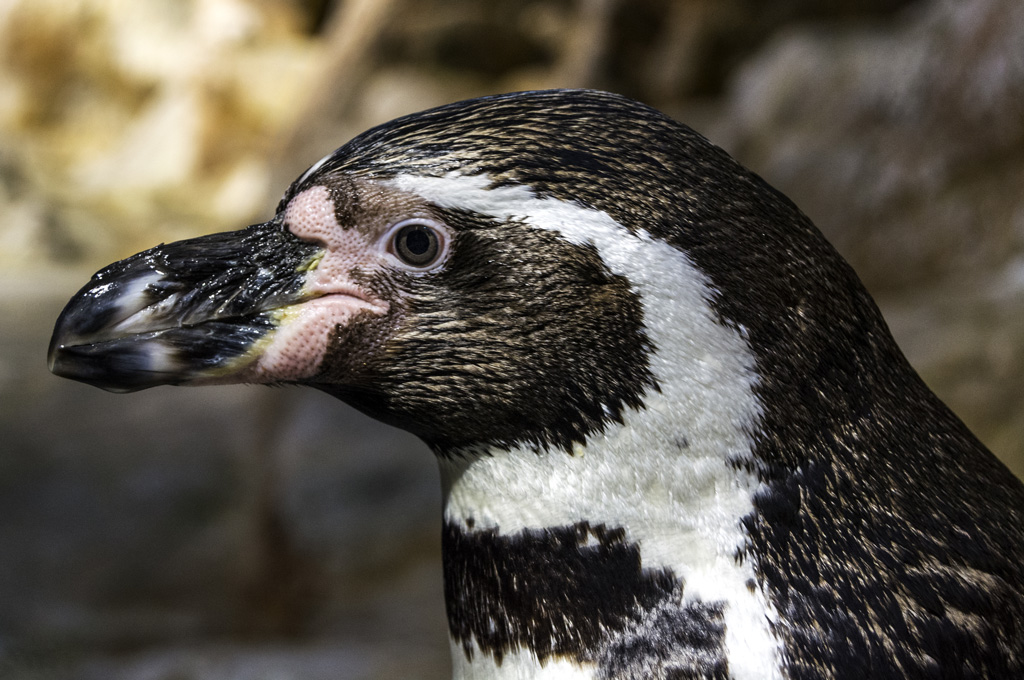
(301, 298)
(194, 311)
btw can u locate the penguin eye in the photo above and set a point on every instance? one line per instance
(417, 243)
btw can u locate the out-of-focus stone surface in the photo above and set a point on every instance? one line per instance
(271, 661)
(420, 53)
(904, 142)
(126, 119)
(222, 533)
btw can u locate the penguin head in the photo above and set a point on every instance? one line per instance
(467, 273)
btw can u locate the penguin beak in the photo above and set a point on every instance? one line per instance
(194, 311)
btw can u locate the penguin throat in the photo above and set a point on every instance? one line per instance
(632, 544)
(670, 482)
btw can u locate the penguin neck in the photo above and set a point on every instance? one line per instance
(676, 473)
(556, 562)
(653, 507)
(679, 493)
(669, 485)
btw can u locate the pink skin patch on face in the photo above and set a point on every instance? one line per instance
(296, 349)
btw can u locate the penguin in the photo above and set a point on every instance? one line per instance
(676, 438)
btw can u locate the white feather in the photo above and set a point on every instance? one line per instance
(313, 168)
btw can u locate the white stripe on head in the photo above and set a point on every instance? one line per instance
(664, 474)
(313, 168)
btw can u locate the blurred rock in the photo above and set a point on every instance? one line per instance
(905, 144)
(159, 117)
(414, 54)
(263, 661)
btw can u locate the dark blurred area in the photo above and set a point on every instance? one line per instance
(222, 533)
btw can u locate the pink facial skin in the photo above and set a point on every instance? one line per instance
(296, 349)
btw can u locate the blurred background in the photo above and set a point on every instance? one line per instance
(250, 533)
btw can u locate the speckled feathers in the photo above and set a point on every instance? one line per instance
(885, 522)
(675, 434)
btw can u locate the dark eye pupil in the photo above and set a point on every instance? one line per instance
(417, 245)
(417, 241)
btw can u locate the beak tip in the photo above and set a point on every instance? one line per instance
(113, 373)
(184, 312)
(53, 363)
